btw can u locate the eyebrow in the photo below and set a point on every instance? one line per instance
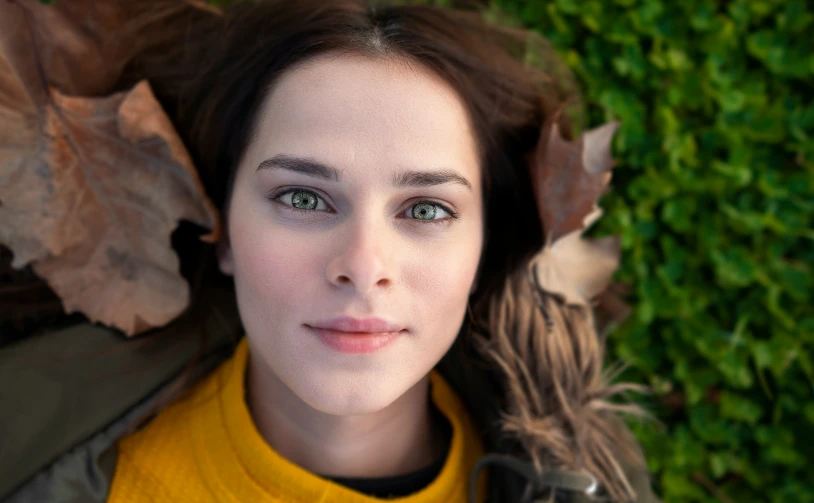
(316, 169)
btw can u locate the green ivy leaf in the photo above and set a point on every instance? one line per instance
(740, 408)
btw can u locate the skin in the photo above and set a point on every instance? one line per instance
(361, 252)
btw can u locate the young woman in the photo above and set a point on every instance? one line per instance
(371, 165)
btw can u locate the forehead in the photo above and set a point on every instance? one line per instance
(351, 111)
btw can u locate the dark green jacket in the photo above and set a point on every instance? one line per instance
(67, 395)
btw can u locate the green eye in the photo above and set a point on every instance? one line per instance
(306, 201)
(301, 200)
(424, 211)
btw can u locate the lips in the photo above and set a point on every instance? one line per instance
(357, 325)
(357, 335)
(355, 342)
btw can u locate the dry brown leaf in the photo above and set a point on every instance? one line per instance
(82, 46)
(577, 269)
(91, 188)
(569, 178)
(69, 41)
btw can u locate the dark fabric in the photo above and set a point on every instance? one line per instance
(401, 485)
(84, 474)
(388, 487)
(66, 387)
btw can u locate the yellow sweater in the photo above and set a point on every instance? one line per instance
(206, 448)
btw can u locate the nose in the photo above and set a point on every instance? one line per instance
(362, 258)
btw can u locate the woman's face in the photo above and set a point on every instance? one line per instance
(305, 249)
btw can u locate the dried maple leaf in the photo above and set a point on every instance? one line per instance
(66, 42)
(568, 179)
(577, 269)
(82, 46)
(92, 188)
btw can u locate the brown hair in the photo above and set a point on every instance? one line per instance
(212, 70)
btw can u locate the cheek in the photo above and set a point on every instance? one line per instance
(441, 274)
(275, 270)
(446, 267)
(439, 279)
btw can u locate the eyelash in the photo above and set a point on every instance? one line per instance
(442, 221)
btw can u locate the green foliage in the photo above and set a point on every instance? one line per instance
(713, 197)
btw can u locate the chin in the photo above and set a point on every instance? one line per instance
(349, 394)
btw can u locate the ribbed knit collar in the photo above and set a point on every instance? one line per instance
(238, 464)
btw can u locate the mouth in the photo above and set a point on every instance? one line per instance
(355, 342)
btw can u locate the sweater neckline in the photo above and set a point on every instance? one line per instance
(238, 464)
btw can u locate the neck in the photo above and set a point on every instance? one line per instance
(403, 437)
